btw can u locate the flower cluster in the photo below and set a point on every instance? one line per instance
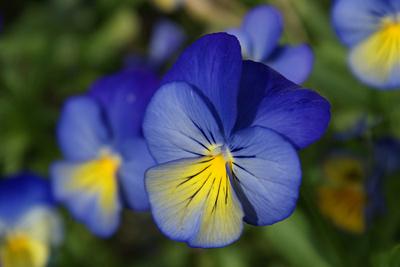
(213, 143)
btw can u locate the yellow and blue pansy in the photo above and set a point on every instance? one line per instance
(351, 194)
(343, 198)
(259, 37)
(221, 160)
(371, 29)
(29, 223)
(105, 155)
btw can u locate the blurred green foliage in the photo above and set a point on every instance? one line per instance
(53, 49)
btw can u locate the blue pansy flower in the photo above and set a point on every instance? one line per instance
(224, 133)
(371, 29)
(166, 39)
(105, 155)
(29, 223)
(259, 37)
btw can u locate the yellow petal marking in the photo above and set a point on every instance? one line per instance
(343, 199)
(378, 56)
(21, 250)
(198, 190)
(98, 177)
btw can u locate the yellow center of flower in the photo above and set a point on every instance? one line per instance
(221, 155)
(391, 25)
(20, 250)
(99, 177)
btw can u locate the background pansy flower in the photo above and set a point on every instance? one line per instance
(352, 192)
(224, 133)
(29, 223)
(105, 156)
(166, 39)
(371, 29)
(259, 37)
(343, 198)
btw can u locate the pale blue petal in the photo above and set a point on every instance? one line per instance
(81, 129)
(264, 26)
(180, 124)
(266, 175)
(137, 160)
(295, 63)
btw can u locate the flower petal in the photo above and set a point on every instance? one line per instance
(33, 253)
(295, 63)
(257, 79)
(301, 115)
(355, 20)
(137, 160)
(192, 200)
(345, 206)
(213, 65)
(42, 224)
(244, 40)
(81, 130)
(166, 39)
(266, 175)
(90, 192)
(179, 123)
(376, 60)
(125, 96)
(20, 193)
(264, 26)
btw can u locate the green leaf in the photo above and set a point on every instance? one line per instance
(389, 258)
(292, 240)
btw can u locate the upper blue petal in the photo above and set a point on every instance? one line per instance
(20, 193)
(268, 99)
(213, 65)
(81, 129)
(295, 63)
(256, 80)
(137, 160)
(266, 175)
(166, 40)
(355, 20)
(301, 115)
(179, 123)
(124, 97)
(264, 26)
